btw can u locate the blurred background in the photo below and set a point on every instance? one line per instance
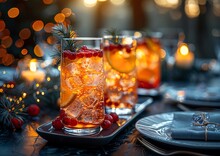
(25, 25)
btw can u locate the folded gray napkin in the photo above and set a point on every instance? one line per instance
(196, 126)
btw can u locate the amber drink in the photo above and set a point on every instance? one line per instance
(82, 85)
(148, 63)
(120, 73)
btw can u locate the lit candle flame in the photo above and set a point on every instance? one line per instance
(184, 50)
(33, 66)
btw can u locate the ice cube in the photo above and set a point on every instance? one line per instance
(73, 68)
(86, 116)
(88, 101)
(92, 116)
(128, 80)
(75, 109)
(92, 79)
(74, 82)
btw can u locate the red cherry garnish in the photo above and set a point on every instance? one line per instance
(62, 113)
(17, 123)
(109, 117)
(72, 56)
(114, 116)
(69, 121)
(128, 48)
(57, 124)
(89, 54)
(79, 55)
(84, 47)
(106, 124)
(33, 110)
(95, 54)
(100, 54)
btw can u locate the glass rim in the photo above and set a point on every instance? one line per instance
(82, 38)
(118, 36)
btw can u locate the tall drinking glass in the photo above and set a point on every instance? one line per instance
(82, 85)
(120, 72)
(147, 61)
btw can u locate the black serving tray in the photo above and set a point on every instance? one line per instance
(103, 137)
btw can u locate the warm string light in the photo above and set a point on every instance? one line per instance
(39, 88)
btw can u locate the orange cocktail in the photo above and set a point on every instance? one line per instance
(120, 72)
(148, 63)
(82, 87)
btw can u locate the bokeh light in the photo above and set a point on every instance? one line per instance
(2, 25)
(3, 52)
(5, 32)
(90, 3)
(38, 25)
(38, 51)
(13, 12)
(117, 2)
(51, 40)
(216, 8)
(19, 43)
(25, 33)
(163, 54)
(192, 8)
(59, 18)
(173, 4)
(6, 41)
(48, 27)
(67, 12)
(24, 51)
(8, 59)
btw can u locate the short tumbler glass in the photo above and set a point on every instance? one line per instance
(82, 85)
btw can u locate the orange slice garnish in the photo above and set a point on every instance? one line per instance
(121, 61)
(66, 98)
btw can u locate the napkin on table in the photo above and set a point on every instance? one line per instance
(183, 128)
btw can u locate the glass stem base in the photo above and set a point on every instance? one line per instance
(120, 111)
(82, 132)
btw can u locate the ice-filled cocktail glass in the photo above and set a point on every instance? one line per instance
(82, 85)
(120, 73)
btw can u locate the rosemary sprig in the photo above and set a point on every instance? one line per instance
(114, 33)
(61, 31)
(8, 110)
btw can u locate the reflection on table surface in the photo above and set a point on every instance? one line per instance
(28, 142)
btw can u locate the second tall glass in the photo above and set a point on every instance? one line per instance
(120, 72)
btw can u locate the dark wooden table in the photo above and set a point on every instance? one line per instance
(27, 142)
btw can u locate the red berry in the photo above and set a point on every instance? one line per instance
(69, 121)
(119, 47)
(100, 54)
(72, 56)
(84, 47)
(57, 124)
(62, 113)
(128, 48)
(88, 54)
(79, 55)
(114, 116)
(106, 124)
(17, 123)
(109, 117)
(33, 110)
(112, 47)
(95, 54)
